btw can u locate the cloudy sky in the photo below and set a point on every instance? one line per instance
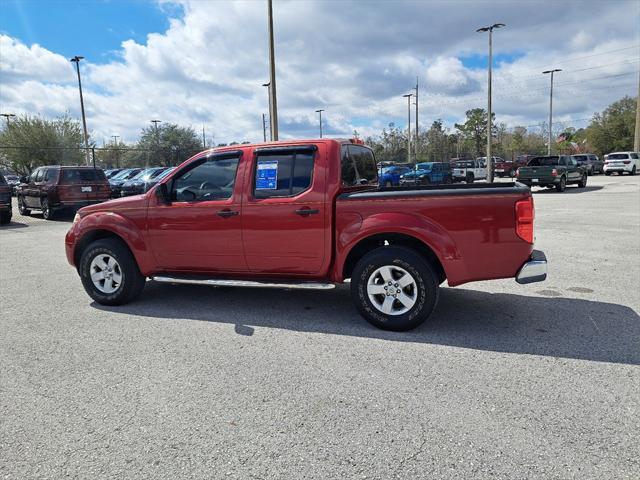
(196, 62)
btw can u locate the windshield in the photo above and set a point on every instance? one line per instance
(121, 175)
(165, 173)
(618, 156)
(544, 161)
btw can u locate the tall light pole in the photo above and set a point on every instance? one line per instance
(264, 127)
(76, 60)
(489, 119)
(268, 85)
(408, 97)
(155, 124)
(8, 116)
(551, 107)
(115, 142)
(204, 139)
(415, 147)
(273, 102)
(320, 113)
(636, 135)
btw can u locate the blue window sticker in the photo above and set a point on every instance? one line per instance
(267, 175)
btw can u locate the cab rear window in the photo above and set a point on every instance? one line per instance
(358, 166)
(79, 175)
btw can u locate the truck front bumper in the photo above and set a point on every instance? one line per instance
(534, 270)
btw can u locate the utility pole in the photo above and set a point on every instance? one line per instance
(155, 123)
(551, 108)
(204, 139)
(8, 116)
(273, 102)
(115, 142)
(489, 113)
(320, 112)
(268, 85)
(76, 60)
(264, 127)
(636, 136)
(408, 97)
(415, 147)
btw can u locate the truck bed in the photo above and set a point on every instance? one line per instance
(471, 228)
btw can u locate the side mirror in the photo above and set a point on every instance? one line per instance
(162, 193)
(24, 179)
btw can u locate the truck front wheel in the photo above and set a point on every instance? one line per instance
(109, 272)
(394, 288)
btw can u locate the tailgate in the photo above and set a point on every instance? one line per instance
(84, 191)
(535, 172)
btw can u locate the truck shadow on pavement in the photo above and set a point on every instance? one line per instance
(569, 189)
(498, 322)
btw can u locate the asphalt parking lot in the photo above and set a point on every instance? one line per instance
(506, 381)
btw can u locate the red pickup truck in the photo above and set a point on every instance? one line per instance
(306, 215)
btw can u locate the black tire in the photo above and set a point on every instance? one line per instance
(583, 181)
(633, 171)
(607, 173)
(425, 181)
(22, 207)
(47, 212)
(426, 285)
(132, 280)
(5, 217)
(560, 187)
(469, 178)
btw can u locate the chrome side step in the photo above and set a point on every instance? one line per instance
(243, 283)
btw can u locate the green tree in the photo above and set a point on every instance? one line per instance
(612, 130)
(171, 145)
(475, 129)
(29, 142)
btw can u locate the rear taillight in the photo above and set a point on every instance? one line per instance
(554, 173)
(525, 214)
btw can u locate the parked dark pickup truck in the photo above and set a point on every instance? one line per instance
(5, 201)
(554, 171)
(306, 215)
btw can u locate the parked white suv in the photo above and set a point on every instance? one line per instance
(622, 162)
(469, 170)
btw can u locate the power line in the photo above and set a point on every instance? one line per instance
(572, 59)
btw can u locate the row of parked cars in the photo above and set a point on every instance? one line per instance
(469, 170)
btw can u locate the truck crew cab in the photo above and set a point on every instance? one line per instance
(306, 214)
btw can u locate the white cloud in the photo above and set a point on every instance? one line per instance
(355, 62)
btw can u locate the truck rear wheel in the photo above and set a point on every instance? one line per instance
(561, 185)
(394, 288)
(583, 181)
(109, 272)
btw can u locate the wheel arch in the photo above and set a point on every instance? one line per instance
(365, 245)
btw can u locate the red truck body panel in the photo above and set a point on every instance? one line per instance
(472, 235)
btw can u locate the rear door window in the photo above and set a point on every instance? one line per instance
(283, 175)
(81, 175)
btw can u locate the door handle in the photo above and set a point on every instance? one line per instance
(307, 211)
(228, 213)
